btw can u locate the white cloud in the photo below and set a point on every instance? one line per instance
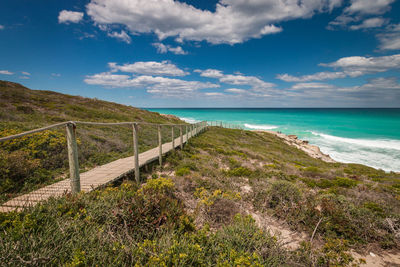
(56, 74)
(162, 49)
(214, 94)
(390, 40)
(123, 36)
(155, 85)
(149, 68)
(319, 86)
(233, 21)
(210, 73)
(359, 10)
(25, 73)
(365, 65)
(236, 79)
(369, 6)
(369, 23)
(374, 85)
(66, 16)
(1, 27)
(350, 67)
(6, 72)
(312, 77)
(24, 77)
(235, 91)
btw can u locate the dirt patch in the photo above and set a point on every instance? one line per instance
(379, 258)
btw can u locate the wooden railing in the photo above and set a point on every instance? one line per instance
(224, 125)
(192, 129)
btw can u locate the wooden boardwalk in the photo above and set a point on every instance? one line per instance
(92, 179)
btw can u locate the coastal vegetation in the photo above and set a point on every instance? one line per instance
(219, 201)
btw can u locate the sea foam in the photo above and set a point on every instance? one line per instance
(373, 143)
(260, 127)
(378, 153)
(189, 120)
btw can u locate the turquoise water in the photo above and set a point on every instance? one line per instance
(366, 136)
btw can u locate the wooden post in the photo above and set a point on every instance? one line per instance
(136, 152)
(187, 134)
(159, 145)
(73, 158)
(181, 131)
(173, 137)
(221, 124)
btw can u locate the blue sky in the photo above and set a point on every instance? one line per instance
(197, 53)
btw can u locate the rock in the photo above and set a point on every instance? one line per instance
(292, 136)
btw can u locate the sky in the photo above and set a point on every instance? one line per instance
(204, 53)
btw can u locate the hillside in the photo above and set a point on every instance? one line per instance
(32, 161)
(229, 198)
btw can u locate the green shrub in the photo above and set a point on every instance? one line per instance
(182, 171)
(239, 172)
(345, 182)
(283, 194)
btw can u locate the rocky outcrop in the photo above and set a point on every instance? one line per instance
(311, 150)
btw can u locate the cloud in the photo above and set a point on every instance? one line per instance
(24, 77)
(163, 68)
(166, 87)
(235, 91)
(390, 40)
(66, 16)
(233, 21)
(162, 49)
(235, 79)
(312, 77)
(25, 73)
(359, 10)
(375, 84)
(123, 36)
(214, 94)
(369, 6)
(319, 86)
(6, 72)
(350, 67)
(1, 27)
(56, 74)
(365, 65)
(369, 23)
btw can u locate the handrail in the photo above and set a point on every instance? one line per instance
(11, 137)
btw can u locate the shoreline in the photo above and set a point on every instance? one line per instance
(311, 150)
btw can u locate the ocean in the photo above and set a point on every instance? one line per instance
(366, 136)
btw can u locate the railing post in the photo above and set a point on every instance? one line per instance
(173, 137)
(136, 151)
(187, 135)
(159, 145)
(73, 158)
(221, 124)
(181, 133)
